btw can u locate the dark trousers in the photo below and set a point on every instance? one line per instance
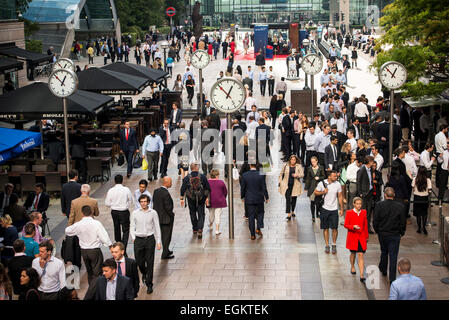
(290, 201)
(309, 155)
(255, 212)
(320, 158)
(153, 161)
(296, 144)
(302, 150)
(164, 160)
(91, 60)
(93, 259)
(389, 247)
(314, 209)
(196, 210)
(166, 233)
(81, 166)
(126, 57)
(273, 119)
(263, 85)
(225, 51)
(287, 146)
(50, 296)
(105, 59)
(270, 87)
(442, 183)
(129, 160)
(144, 253)
(367, 205)
(121, 219)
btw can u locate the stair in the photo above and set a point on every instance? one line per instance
(51, 35)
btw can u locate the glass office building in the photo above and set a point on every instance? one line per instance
(245, 12)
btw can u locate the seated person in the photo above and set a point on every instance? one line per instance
(37, 200)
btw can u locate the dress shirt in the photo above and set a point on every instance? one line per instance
(425, 160)
(334, 152)
(249, 102)
(310, 140)
(175, 112)
(281, 86)
(361, 110)
(410, 165)
(440, 142)
(251, 129)
(321, 142)
(250, 74)
(444, 160)
(380, 161)
(167, 139)
(137, 194)
(262, 75)
(351, 172)
(324, 78)
(90, 232)
(111, 288)
(370, 177)
(340, 124)
(353, 144)
(153, 47)
(122, 266)
(157, 54)
(255, 114)
(407, 287)
(35, 202)
(153, 144)
(323, 91)
(144, 224)
(333, 75)
(296, 125)
(341, 78)
(271, 75)
(119, 198)
(52, 275)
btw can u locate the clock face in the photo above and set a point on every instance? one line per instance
(62, 83)
(393, 75)
(312, 64)
(200, 59)
(64, 63)
(228, 95)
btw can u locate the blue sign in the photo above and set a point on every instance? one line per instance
(260, 39)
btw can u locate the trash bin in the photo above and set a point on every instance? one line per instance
(269, 52)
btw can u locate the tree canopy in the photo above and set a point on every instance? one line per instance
(418, 33)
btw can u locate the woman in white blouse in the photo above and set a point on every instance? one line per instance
(421, 187)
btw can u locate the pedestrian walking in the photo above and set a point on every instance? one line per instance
(128, 146)
(290, 184)
(315, 174)
(407, 286)
(152, 148)
(163, 204)
(217, 199)
(422, 186)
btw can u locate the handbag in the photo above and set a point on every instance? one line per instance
(144, 164)
(121, 160)
(137, 161)
(235, 173)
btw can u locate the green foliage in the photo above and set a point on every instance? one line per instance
(22, 5)
(33, 45)
(164, 30)
(29, 27)
(140, 13)
(417, 32)
(134, 37)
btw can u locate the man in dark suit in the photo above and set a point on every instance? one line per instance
(383, 136)
(331, 155)
(128, 145)
(123, 285)
(215, 122)
(165, 132)
(389, 223)
(242, 124)
(364, 187)
(263, 131)
(287, 133)
(126, 266)
(253, 191)
(17, 263)
(206, 111)
(163, 204)
(5, 196)
(340, 136)
(37, 200)
(175, 116)
(70, 191)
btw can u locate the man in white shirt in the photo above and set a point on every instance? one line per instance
(426, 160)
(351, 140)
(361, 111)
(120, 200)
(91, 235)
(253, 113)
(410, 164)
(322, 140)
(251, 131)
(377, 157)
(143, 184)
(310, 138)
(271, 78)
(51, 271)
(351, 176)
(146, 234)
(325, 77)
(249, 102)
(441, 179)
(440, 139)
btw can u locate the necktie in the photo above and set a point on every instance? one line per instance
(127, 134)
(119, 269)
(36, 202)
(166, 133)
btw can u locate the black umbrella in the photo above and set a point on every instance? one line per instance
(35, 101)
(110, 82)
(154, 75)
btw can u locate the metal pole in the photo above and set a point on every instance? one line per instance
(42, 138)
(200, 106)
(165, 59)
(312, 100)
(440, 263)
(66, 137)
(306, 87)
(229, 142)
(390, 146)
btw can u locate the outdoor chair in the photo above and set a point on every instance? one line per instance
(94, 170)
(53, 182)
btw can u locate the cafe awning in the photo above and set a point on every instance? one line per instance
(154, 75)
(29, 56)
(35, 101)
(17, 142)
(10, 65)
(427, 101)
(110, 82)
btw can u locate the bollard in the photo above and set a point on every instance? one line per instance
(440, 263)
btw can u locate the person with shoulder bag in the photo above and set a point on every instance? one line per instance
(290, 184)
(315, 174)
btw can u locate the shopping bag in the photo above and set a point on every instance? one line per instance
(137, 161)
(266, 167)
(144, 164)
(121, 160)
(235, 173)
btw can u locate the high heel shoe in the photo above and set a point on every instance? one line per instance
(363, 280)
(353, 272)
(288, 218)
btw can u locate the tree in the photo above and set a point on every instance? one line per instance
(140, 13)
(418, 33)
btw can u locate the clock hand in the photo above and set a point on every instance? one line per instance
(221, 88)
(199, 57)
(63, 80)
(311, 64)
(394, 72)
(229, 92)
(58, 79)
(307, 59)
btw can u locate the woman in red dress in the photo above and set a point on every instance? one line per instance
(357, 224)
(209, 50)
(232, 45)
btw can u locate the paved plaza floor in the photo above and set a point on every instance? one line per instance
(289, 261)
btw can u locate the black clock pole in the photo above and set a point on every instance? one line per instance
(312, 78)
(390, 144)
(200, 105)
(228, 165)
(66, 137)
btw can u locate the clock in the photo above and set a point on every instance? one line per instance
(228, 95)
(200, 59)
(64, 63)
(393, 75)
(63, 83)
(312, 64)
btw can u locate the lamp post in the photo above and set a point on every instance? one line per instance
(305, 43)
(164, 46)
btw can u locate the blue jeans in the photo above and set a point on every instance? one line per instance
(389, 247)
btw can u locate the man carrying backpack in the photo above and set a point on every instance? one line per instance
(196, 189)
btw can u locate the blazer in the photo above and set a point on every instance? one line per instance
(163, 204)
(15, 267)
(178, 116)
(267, 132)
(355, 236)
(124, 289)
(283, 180)
(70, 191)
(253, 187)
(329, 157)
(389, 218)
(71, 250)
(362, 185)
(76, 206)
(311, 182)
(287, 125)
(131, 144)
(163, 135)
(133, 274)
(43, 203)
(404, 119)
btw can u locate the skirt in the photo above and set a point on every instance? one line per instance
(359, 248)
(420, 205)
